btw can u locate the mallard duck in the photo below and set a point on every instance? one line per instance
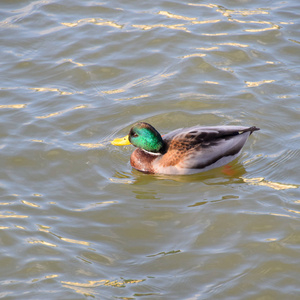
(185, 150)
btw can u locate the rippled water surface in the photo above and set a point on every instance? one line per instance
(76, 221)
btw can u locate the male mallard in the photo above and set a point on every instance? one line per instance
(185, 150)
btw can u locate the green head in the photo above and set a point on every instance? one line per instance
(144, 136)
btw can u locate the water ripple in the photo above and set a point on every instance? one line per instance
(76, 220)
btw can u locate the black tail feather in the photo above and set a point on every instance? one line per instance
(251, 129)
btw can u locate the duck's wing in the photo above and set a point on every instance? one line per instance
(204, 147)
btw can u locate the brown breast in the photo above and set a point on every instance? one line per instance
(142, 160)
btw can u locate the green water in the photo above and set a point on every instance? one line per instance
(76, 221)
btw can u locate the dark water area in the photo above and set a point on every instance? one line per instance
(76, 221)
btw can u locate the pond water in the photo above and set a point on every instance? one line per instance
(76, 221)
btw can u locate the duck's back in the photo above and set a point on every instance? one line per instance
(197, 149)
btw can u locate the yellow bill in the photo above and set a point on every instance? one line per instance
(121, 141)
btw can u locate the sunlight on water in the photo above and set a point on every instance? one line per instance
(13, 106)
(77, 221)
(273, 185)
(97, 21)
(61, 112)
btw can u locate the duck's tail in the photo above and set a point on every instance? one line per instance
(251, 129)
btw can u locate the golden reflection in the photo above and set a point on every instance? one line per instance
(13, 216)
(95, 21)
(50, 115)
(294, 41)
(258, 83)
(132, 98)
(44, 277)
(208, 49)
(80, 106)
(110, 23)
(51, 276)
(281, 215)
(74, 62)
(91, 145)
(148, 27)
(38, 141)
(194, 55)
(61, 112)
(75, 241)
(103, 282)
(44, 228)
(249, 22)
(95, 283)
(116, 91)
(294, 211)
(13, 106)
(119, 180)
(87, 288)
(274, 26)
(169, 15)
(4, 227)
(20, 227)
(234, 44)
(166, 75)
(229, 12)
(30, 203)
(205, 5)
(287, 23)
(206, 21)
(42, 242)
(212, 82)
(271, 184)
(51, 90)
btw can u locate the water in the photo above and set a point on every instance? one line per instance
(76, 221)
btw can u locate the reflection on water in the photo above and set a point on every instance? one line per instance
(93, 21)
(231, 172)
(76, 220)
(274, 185)
(13, 106)
(88, 289)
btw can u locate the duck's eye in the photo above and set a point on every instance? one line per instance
(135, 135)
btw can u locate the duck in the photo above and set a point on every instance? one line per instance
(185, 150)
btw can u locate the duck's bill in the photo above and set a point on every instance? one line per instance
(121, 141)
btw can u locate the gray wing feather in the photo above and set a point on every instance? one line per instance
(211, 144)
